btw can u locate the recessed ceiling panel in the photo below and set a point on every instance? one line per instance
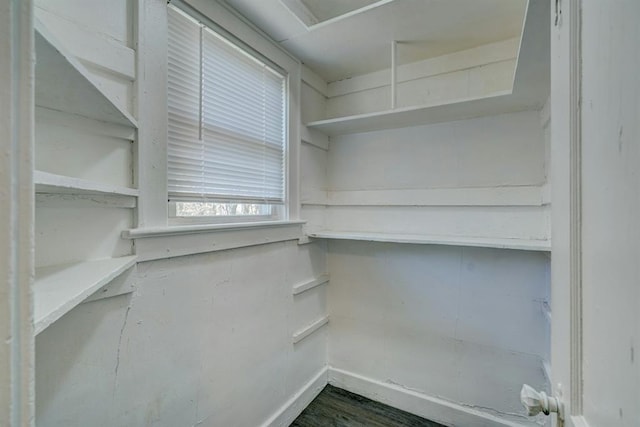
(324, 10)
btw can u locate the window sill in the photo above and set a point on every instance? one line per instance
(181, 240)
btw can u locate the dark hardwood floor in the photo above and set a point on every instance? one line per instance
(335, 407)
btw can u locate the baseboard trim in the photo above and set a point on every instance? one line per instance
(433, 408)
(294, 406)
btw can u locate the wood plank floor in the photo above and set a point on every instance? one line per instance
(335, 407)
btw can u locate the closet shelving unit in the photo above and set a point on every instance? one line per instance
(527, 93)
(530, 65)
(64, 84)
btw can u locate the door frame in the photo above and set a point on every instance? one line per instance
(16, 213)
(566, 174)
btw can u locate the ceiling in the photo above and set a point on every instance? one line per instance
(339, 39)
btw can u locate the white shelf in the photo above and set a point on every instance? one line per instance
(482, 242)
(60, 288)
(46, 182)
(64, 84)
(419, 115)
(530, 90)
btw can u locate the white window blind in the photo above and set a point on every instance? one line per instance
(227, 119)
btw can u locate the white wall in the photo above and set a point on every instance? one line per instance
(505, 150)
(464, 325)
(498, 161)
(204, 340)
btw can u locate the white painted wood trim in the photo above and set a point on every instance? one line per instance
(140, 233)
(190, 241)
(95, 127)
(294, 142)
(418, 403)
(121, 285)
(46, 182)
(314, 81)
(17, 346)
(299, 401)
(103, 200)
(303, 333)
(78, 93)
(57, 289)
(305, 286)
(482, 242)
(150, 104)
(480, 196)
(575, 206)
(564, 131)
(314, 137)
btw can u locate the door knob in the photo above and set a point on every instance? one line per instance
(535, 402)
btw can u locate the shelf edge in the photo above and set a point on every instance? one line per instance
(44, 320)
(61, 184)
(497, 243)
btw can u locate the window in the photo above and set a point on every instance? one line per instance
(227, 126)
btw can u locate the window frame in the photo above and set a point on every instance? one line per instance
(267, 51)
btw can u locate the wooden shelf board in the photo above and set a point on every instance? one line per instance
(420, 115)
(46, 182)
(483, 242)
(58, 289)
(64, 84)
